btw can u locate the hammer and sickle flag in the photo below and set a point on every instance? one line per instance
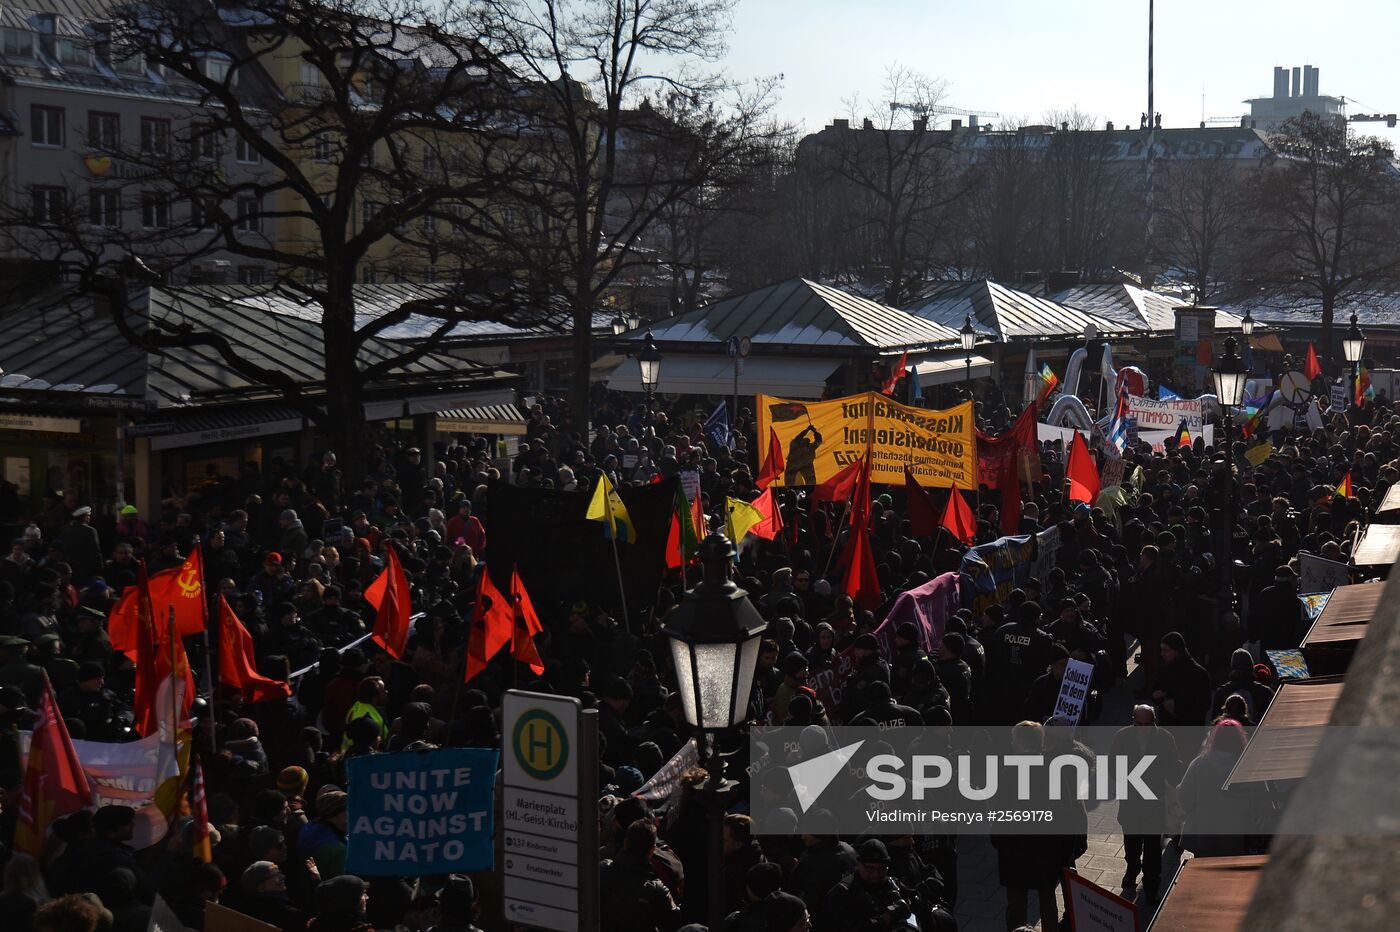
(181, 586)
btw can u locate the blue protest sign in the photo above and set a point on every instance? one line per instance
(421, 812)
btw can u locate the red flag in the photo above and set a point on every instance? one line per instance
(840, 487)
(674, 558)
(393, 608)
(922, 518)
(772, 522)
(900, 370)
(54, 782)
(1081, 472)
(181, 586)
(157, 659)
(236, 666)
(199, 830)
(527, 625)
(1313, 368)
(773, 464)
(862, 584)
(493, 626)
(957, 517)
(1006, 459)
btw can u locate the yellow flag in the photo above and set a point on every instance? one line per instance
(607, 507)
(740, 516)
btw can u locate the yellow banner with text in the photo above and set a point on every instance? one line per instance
(820, 438)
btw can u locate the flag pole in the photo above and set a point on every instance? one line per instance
(209, 675)
(845, 513)
(617, 560)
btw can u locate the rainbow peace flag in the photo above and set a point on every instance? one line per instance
(1345, 488)
(1048, 381)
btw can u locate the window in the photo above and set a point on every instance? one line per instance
(322, 148)
(104, 130)
(48, 126)
(129, 61)
(155, 211)
(155, 136)
(201, 214)
(204, 141)
(371, 275)
(249, 215)
(104, 207)
(368, 211)
(429, 224)
(430, 274)
(72, 52)
(215, 68)
(245, 153)
(251, 275)
(310, 75)
(430, 160)
(48, 203)
(457, 161)
(18, 43)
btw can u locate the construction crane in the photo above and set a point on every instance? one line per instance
(1387, 118)
(923, 110)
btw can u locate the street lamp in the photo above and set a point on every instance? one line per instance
(649, 360)
(968, 333)
(1247, 328)
(1230, 374)
(619, 326)
(634, 319)
(1353, 344)
(715, 634)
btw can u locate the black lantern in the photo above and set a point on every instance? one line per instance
(1247, 325)
(968, 334)
(1354, 343)
(1230, 374)
(649, 359)
(619, 326)
(634, 319)
(714, 635)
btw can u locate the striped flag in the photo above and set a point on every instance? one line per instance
(1048, 381)
(1118, 426)
(1166, 394)
(1183, 434)
(199, 830)
(1344, 488)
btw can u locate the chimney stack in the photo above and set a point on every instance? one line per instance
(840, 124)
(921, 124)
(1280, 82)
(1297, 81)
(868, 124)
(972, 121)
(1110, 126)
(955, 125)
(1309, 81)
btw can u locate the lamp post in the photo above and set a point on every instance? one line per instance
(968, 333)
(649, 360)
(714, 635)
(1247, 328)
(634, 319)
(619, 326)
(1230, 375)
(1353, 345)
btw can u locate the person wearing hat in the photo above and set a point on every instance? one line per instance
(795, 670)
(783, 912)
(273, 583)
(62, 672)
(1275, 617)
(88, 700)
(908, 650)
(333, 623)
(265, 897)
(81, 548)
(130, 525)
(93, 643)
(107, 850)
(458, 908)
(868, 897)
(869, 669)
(760, 881)
(881, 710)
(955, 675)
(632, 897)
(1018, 652)
(1182, 689)
(1241, 682)
(17, 670)
(340, 903)
(323, 839)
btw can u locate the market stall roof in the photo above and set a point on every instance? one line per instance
(1348, 612)
(1005, 313)
(1379, 546)
(1132, 306)
(803, 314)
(1210, 895)
(1375, 309)
(1391, 502)
(714, 375)
(1283, 745)
(946, 369)
(507, 420)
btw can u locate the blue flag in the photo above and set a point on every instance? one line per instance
(717, 427)
(1166, 394)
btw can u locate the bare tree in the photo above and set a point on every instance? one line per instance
(603, 174)
(1088, 200)
(891, 178)
(1324, 216)
(1200, 206)
(352, 162)
(1006, 174)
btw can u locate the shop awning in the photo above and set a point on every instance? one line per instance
(1379, 546)
(714, 375)
(214, 426)
(506, 420)
(1348, 611)
(1210, 895)
(1391, 502)
(1283, 746)
(1268, 342)
(947, 369)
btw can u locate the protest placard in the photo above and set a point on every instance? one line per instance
(1074, 691)
(1091, 907)
(1151, 414)
(664, 782)
(417, 813)
(1319, 575)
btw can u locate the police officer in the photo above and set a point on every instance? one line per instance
(867, 900)
(62, 672)
(90, 701)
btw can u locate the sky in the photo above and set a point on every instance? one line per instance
(1024, 58)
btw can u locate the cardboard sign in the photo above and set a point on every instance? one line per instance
(1093, 909)
(1337, 396)
(418, 813)
(1151, 414)
(1074, 691)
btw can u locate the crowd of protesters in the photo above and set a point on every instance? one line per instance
(292, 549)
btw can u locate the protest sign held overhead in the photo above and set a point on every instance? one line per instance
(421, 812)
(820, 438)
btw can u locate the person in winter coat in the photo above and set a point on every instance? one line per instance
(1183, 687)
(826, 860)
(1208, 808)
(1255, 694)
(633, 898)
(761, 880)
(265, 898)
(324, 839)
(1275, 618)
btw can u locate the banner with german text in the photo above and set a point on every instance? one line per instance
(820, 438)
